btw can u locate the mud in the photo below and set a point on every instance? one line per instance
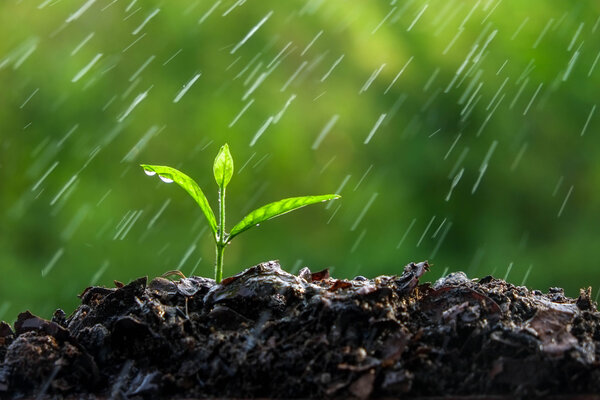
(270, 334)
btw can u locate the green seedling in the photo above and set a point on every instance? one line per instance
(223, 171)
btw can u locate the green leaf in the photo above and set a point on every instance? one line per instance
(168, 175)
(276, 209)
(223, 167)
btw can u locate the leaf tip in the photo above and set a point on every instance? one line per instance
(223, 166)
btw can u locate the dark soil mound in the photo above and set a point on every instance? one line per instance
(267, 333)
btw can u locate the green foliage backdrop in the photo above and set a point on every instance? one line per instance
(391, 103)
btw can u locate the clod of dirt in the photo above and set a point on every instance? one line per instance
(267, 333)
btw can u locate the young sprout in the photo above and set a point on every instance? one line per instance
(223, 171)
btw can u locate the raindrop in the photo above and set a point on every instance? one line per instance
(196, 266)
(425, 231)
(565, 202)
(497, 93)
(383, 20)
(539, 39)
(185, 88)
(139, 146)
(438, 229)
(575, 37)
(134, 42)
(454, 183)
(130, 5)
(431, 79)
(508, 270)
(379, 121)
(158, 214)
(134, 103)
(294, 76)
(371, 78)
(325, 131)
(67, 135)
(99, 273)
(519, 157)
(149, 172)
(279, 54)
(363, 177)
(39, 182)
(251, 32)
(327, 164)
(80, 11)
(462, 25)
(502, 67)
(594, 64)
(148, 18)
(126, 225)
(400, 73)
(452, 146)
(339, 190)
(418, 17)
(340, 58)
(132, 13)
(572, 62)
(441, 240)
(412, 223)
(172, 57)
(489, 116)
(75, 222)
(210, 10)
(358, 240)
(241, 112)
(311, 42)
(261, 130)
(64, 188)
(558, 184)
(526, 275)
(454, 39)
(165, 179)
(285, 107)
(141, 68)
(247, 162)
(589, 118)
(334, 212)
(236, 4)
(53, 261)
(105, 7)
(461, 68)
(364, 211)
(29, 98)
(103, 197)
(187, 255)
(519, 28)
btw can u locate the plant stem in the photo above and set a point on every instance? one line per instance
(221, 241)
(219, 264)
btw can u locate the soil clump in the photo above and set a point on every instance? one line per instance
(270, 334)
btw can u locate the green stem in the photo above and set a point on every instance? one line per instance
(221, 240)
(219, 264)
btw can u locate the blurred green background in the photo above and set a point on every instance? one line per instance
(463, 132)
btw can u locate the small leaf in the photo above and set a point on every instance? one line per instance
(168, 174)
(223, 167)
(276, 209)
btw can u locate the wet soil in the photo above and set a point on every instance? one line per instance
(270, 334)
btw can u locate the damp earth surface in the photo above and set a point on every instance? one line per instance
(267, 333)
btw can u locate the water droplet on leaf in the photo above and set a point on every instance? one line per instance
(165, 180)
(149, 172)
